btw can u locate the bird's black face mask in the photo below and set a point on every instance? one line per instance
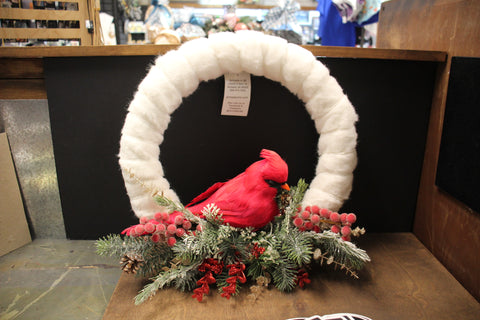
(277, 185)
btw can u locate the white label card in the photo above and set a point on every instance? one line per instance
(236, 98)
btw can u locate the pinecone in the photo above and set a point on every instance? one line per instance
(283, 200)
(131, 262)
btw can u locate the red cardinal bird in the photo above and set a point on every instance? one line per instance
(248, 200)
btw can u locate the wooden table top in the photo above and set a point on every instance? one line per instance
(403, 281)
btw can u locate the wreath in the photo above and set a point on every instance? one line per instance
(191, 251)
(178, 73)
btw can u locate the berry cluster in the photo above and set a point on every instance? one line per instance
(312, 218)
(257, 251)
(235, 271)
(164, 227)
(302, 278)
(208, 267)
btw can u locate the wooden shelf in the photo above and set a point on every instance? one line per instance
(238, 6)
(81, 15)
(125, 50)
(36, 14)
(403, 281)
(22, 68)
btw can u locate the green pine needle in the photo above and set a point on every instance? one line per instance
(182, 275)
(284, 275)
(298, 247)
(344, 252)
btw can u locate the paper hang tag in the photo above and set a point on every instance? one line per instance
(236, 98)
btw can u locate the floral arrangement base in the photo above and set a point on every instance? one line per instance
(196, 254)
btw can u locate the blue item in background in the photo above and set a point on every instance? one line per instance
(332, 31)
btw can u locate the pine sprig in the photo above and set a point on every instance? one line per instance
(284, 275)
(182, 275)
(195, 248)
(154, 256)
(297, 247)
(344, 252)
(296, 194)
(212, 214)
(172, 206)
(232, 246)
(256, 269)
(112, 245)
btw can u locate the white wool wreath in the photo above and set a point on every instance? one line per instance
(177, 74)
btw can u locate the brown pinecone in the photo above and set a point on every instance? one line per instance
(131, 263)
(283, 199)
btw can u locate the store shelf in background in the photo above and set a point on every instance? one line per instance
(18, 31)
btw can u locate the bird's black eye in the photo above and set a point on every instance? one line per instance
(272, 183)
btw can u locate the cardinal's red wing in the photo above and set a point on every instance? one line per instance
(206, 194)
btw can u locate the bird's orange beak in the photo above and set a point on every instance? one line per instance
(285, 187)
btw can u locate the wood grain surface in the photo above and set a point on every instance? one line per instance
(147, 50)
(403, 281)
(445, 225)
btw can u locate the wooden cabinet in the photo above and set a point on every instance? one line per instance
(33, 23)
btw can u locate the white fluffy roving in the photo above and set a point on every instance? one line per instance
(178, 73)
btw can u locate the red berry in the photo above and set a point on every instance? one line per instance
(139, 229)
(149, 227)
(180, 232)
(187, 225)
(315, 219)
(298, 222)
(335, 229)
(343, 217)
(199, 228)
(158, 216)
(179, 220)
(171, 229)
(165, 216)
(305, 215)
(155, 237)
(315, 209)
(346, 238)
(161, 228)
(351, 218)
(143, 220)
(316, 229)
(346, 230)
(299, 208)
(309, 225)
(171, 241)
(325, 213)
(308, 208)
(335, 217)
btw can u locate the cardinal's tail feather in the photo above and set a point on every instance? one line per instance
(206, 194)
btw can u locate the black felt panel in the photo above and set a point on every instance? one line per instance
(88, 98)
(393, 100)
(458, 171)
(202, 147)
